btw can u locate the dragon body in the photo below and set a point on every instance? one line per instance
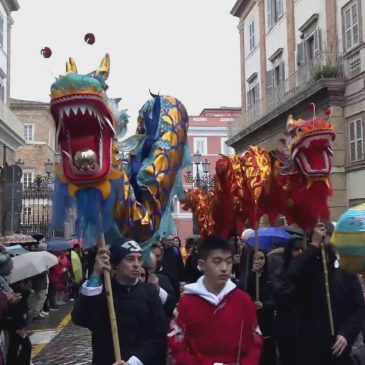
(292, 181)
(120, 187)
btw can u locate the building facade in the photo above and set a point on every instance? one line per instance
(207, 136)
(295, 52)
(11, 129)
(37, 159)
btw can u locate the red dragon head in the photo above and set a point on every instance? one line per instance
(84, 123)
(310, 146)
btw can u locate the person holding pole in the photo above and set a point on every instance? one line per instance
(264, 303)
(139, 313)
(330, 303)
(214, 323)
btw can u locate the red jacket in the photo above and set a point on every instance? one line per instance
(203, 333)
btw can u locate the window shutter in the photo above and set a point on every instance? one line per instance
(282, 71)
(317, 41)
(269, 82)
(269, 14)
(257, 92)
(279, 8)
(249, 100)
(300, 54)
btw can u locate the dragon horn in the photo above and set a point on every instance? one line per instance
(104, 67)
(71, 66)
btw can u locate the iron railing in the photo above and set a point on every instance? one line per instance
(324, 65)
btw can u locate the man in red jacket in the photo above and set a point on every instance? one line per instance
(214, 322)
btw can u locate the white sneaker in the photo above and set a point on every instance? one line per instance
(44, 314)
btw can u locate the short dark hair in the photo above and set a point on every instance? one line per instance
(213, 243)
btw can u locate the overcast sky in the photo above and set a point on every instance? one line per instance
(185, 48)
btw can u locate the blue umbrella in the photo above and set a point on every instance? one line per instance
(269, 237)
(58, 244)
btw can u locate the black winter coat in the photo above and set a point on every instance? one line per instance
(141, 324)
(314, 338)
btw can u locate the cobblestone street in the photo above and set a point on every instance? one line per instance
(71, 346)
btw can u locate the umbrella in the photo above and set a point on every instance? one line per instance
(16, 238)
(16, 250)
(31, 264)
(58, 244)
(349, 239)
(269, 237)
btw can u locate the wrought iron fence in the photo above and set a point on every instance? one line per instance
(37, 206)
(324, 65)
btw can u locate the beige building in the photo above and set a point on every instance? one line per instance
(294, 52)
(11, 129)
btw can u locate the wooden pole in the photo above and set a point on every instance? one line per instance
(257, 273)
(327, 287)
(109, 297)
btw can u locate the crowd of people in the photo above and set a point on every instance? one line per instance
(219, 301)
(35, 299)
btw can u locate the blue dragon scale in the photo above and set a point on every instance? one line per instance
(119, 187)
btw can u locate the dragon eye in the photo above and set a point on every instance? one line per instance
(299, 130)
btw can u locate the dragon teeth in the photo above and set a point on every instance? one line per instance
(83, 109)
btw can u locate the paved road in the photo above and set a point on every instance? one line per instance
(71, 346)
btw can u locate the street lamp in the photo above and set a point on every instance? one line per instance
(200, 180)
(48, 166)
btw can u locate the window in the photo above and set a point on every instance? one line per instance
(252, 35)
(253, 93)
(29, 132)
(225, 149)
(351, 25)
(2, 89)
(200, 145)
(1, 30)
(310, 48)
(28, 177)
(275, 10)
(356, 140)
(275, 76)
(27, 211)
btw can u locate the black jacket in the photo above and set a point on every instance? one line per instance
(141, 324)
(315, 340)
(265, 316)
(173, 268)
(171, 300)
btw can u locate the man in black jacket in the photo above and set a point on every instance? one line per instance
(315, 344)
(140, 317)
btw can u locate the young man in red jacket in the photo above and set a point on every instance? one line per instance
(214, 323)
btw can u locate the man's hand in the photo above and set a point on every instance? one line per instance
(339, 346)
(154, 280)
(319, 235)
(102, 261)
(120, 363)
(14, 298)
(259, 305)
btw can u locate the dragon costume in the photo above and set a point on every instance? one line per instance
(292, 181)
(120, 187)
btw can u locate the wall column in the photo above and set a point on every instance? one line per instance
(290, 29)
(262, 31)
(242, 64)
(331, 27)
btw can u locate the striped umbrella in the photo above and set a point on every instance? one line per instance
(349, 239)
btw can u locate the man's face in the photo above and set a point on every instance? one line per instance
(130, 266)
(217, 267)
(168, 241)
(158, 254)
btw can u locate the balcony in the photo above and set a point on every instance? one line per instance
(11, 128)
(307, 80)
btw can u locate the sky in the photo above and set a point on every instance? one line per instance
(185, 48)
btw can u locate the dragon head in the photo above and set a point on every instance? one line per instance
(84, 123)
(310, 146)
